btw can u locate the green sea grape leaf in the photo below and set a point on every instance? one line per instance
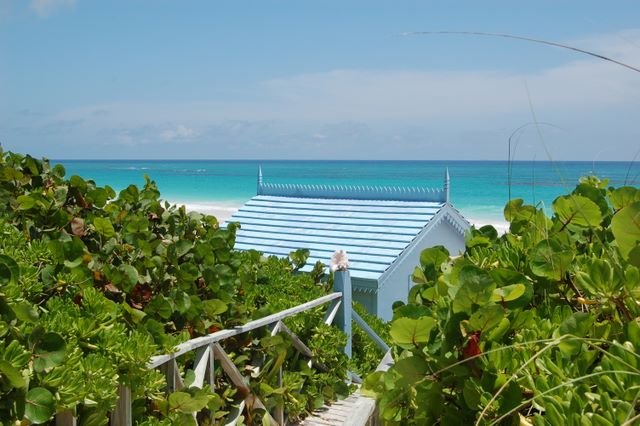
(160, 305)
(411, 310)
(471, 393)
(411, 369)
(25, 311)
(418, 276)
(77, 182)
(476, 288)
(408, 332)
(104, 227)
(550, 259)
(625, 226)
(12, 174)
(213, 307)
(486, 317)
(503, 276)
(488, 231)
(182, 402)
(129, 276)
(508, 293)
(9, 271)
(138, 224)
(49, 352)
(98, 196)
(482, 237)
(182, 301)
(511, 397)
(25, 202)
(431, 260)
(39, 406)
(478, 241)
(130, 194)
(299, 258)
(578, 324)
(507, 279)
(189, 378)
(136, 315)
(634, 256)
(623, 196)
(577, 210)
(596, 276)
(183, 247)
(594, 194)
(11, 374)
(499, 331)
(515, 210)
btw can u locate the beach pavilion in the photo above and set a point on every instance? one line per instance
(383, 229)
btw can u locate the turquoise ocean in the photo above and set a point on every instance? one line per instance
(479, 189)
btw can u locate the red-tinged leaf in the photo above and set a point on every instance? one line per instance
(472, 347)
(142, 293)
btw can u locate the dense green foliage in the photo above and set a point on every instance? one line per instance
(537, 326)
(93, 283)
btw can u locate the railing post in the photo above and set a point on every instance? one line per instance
(66, 418)
(121, 415)
(342, 284)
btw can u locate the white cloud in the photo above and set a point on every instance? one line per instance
(471, 111)
(583, 85)
(46, 7)
(181, 132)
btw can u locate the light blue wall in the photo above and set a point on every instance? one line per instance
(396, 285)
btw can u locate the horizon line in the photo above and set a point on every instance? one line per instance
(326, 160)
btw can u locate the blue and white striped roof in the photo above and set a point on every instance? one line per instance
(373, 224)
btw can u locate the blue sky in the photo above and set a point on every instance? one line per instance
(309, 80)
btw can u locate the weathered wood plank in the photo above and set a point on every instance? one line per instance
(234, 415)
(121, 415)
(172, 374)
(238, 381)
(332, 311)
(252, 325)
(211, 371)
(356, 410)
(386, 361)
(66, 418)
(301, 347)
(362, 410)
(367, 329)
(275, 328)
(200, 365)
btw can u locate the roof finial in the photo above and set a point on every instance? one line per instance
(259, 191)
(447, 185)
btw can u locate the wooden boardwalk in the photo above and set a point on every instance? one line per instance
(356, 410)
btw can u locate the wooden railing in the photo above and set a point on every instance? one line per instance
(208, 350)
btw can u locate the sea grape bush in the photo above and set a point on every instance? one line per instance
(537, 326)
(93, 283)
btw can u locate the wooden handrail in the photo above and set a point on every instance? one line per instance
(192, 344)
(367, 329)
